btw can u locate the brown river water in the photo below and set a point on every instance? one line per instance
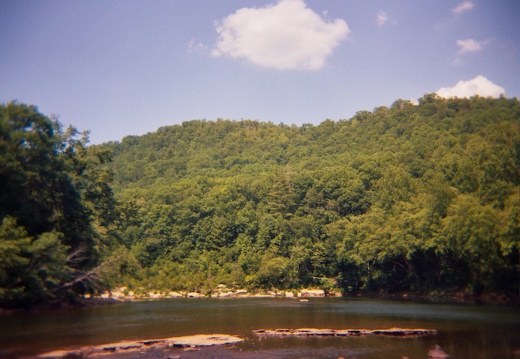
(464, 330)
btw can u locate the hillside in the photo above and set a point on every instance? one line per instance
(408, 198)
(412, 198)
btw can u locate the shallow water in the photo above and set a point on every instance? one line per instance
(464, 330)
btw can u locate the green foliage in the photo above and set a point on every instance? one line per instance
(408, 198)
(412, 197)
(31, 270)
(56, 206)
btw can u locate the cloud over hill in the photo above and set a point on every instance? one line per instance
(478, 86)
(284, 36)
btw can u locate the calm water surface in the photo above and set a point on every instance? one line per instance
(464, 330)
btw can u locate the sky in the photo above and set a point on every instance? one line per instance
(128, 67)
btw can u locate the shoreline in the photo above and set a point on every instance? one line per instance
(304, 295)
(448, 297)
(123, 293)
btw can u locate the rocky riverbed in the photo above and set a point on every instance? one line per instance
(222, 291)
(144, 347)
(193, 343)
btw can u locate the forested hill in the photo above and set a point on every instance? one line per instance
(412, 198)
(408, 198)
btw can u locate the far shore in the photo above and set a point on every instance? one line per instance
(125, 294)
(122, 295)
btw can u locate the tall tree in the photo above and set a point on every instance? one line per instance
(51, 195)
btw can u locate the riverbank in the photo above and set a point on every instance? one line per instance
(448, 297)
(63, 305)
(123, 294)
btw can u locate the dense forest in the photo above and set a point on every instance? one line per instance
(421, 198)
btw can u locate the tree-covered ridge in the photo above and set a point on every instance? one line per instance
(412, 197)
(418, 198)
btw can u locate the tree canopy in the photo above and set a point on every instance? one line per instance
(412, 197)
(403, 198)
(53, 200)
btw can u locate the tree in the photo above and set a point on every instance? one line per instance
(54, 203)
(31, 269)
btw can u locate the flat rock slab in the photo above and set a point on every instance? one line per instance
(201, 340)
(393, 332)
(191, 341)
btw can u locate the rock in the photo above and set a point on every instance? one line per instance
(400, 332)
(204, 340)
(226, 294)
(194, 295)
(436, 352)
(59, 354)
(153, 341)
(396, 332)
(118, 295)
(154, 295)
(192, 342)
(130, 346)
(313, 293)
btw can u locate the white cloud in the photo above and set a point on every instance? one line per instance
(197, 47)
(463, 6)
(382, 18)
(478, 86)
(283, 36)
(470, 45)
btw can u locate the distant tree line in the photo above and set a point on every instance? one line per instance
(408, 198)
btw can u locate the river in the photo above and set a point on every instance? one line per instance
(464, 330)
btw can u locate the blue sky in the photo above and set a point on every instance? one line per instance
(127, 67)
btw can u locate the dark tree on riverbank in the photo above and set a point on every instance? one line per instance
(54, 198)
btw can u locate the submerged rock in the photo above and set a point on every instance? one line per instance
(436, 352)
(191, 341)
(204, 340)
(394, 332)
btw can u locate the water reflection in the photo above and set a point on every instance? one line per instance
(465, 331)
